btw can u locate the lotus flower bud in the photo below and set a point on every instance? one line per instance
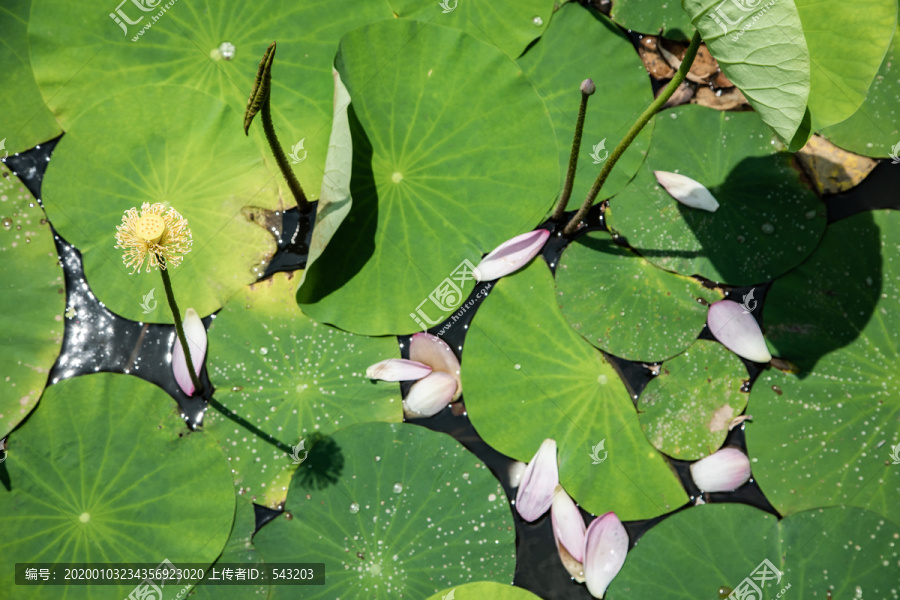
(429, 395)
(737, 330)
(587, 87)
(687, 191)
(398, 369)
(535, 494)
(433, 351)
(605, 547)
(511, 255)
(195, 333)
(723, 471)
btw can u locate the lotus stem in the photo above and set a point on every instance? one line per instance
(587, 90)
(645, 117)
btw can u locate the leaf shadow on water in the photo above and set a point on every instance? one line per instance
(820, 305)
(323, 465)
(353, 243)
(733, 238)
(825, 304)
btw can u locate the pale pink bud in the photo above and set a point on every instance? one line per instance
(605, 547)
(511, 255)
(429, 395)
(737, 330)
(398, 369)
(535, 494)
(723, 471)
(195, 333)
(433, 351)
(687, 191)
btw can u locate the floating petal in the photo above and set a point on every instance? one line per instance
(737, 330)
(568, 526)
(195, 333)
(723, 471)
(605, 547)
(687, 191)
(433, 351)
(398, 369)
(541, 477)
(511, 255)
(429, 395)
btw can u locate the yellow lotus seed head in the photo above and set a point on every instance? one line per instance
(150, 228)
(158, 235)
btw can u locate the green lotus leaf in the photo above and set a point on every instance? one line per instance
(107, 472)
(624, 305)
(26, 120)
(33, 301)
(762, 49)
(711, 550)
(445, 168)
(650, 16)
(238, 549)
(565, 56)
(82, 54)
(836, 420)
(686, 410)
(485, 589)
(841, 72)
(527, 384)
(183, 157)
(290, 377)
(508, 24)
(874, 129)
(412, 512)
(767, 222)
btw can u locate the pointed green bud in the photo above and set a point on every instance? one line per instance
(261, 87)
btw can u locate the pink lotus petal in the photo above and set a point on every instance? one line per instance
(398, 369)
(723, 471)
(433, 351)
(605, 547)
(429, 395)
(687, 191)
(195, 333)
(568, 526)
(737, 330)
(541, 477)
(511, 255)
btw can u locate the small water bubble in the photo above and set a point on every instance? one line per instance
(263, 350)
(354, 508)
(741, 239)
(537, 20)
(7, 222)
(768, 228)
(518, 367)
(377, 459)
(398, 487)
(811, 214)
(226, 50)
